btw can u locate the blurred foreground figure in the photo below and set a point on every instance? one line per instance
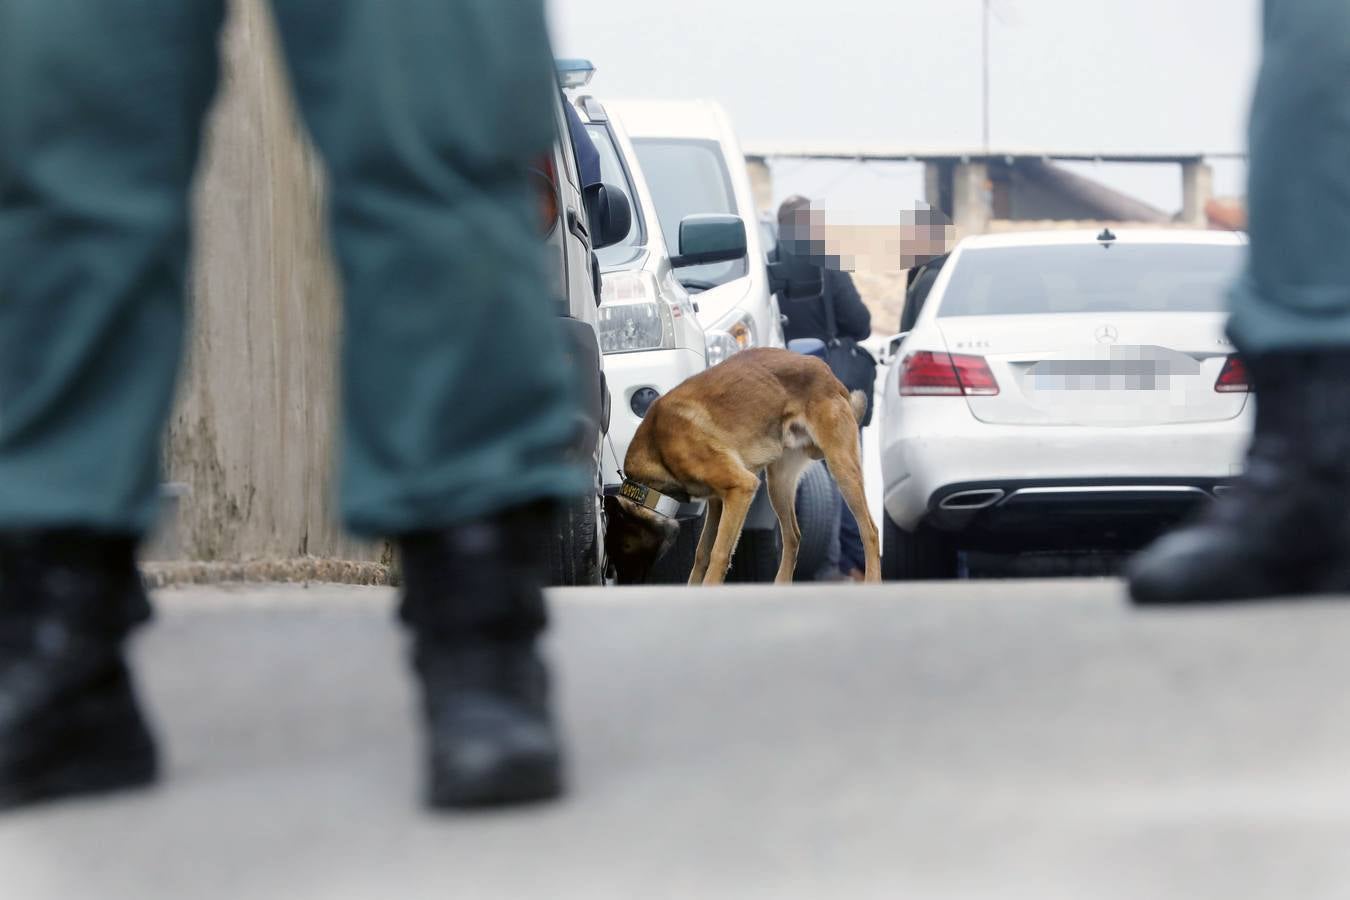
(1284, 529)
(427, 113)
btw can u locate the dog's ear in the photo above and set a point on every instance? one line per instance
(669, 529)
(613, 510)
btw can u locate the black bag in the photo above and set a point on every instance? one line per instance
(851, 363)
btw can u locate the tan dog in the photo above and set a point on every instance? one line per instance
(766, 410)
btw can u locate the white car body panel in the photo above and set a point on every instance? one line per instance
(1113, 438)
(1013, 346)
(628, 373)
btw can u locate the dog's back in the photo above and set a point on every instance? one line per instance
(745, 404)
(753, 384)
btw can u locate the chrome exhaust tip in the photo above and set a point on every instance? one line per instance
(966, 501)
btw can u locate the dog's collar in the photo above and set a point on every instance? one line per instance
(649, 497)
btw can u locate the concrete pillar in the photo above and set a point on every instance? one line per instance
(250, 446)
(761, 182)
(932, 184)
(937, 186)
(972, 206)
(1197, 189)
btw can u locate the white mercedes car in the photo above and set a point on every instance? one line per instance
(1061, 391)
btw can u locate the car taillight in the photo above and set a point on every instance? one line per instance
(544, 180)
(946, 374)
(1233, 377)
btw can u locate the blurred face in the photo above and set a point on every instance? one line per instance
(924, 235)
(804, 232)
(635, 538)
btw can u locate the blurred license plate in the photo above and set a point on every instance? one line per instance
(1103, 375)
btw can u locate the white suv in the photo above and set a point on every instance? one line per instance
(1061, 390)
(693, 163)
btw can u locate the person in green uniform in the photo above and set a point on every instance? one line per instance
(1284, 528)
(427, 114)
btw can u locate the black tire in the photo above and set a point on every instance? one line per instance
(756, 558)
(675, 566)
(575, 548)
(916, 556)
(816, 518)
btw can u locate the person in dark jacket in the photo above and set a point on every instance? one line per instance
(920, 285)
(806, 317)
(801, 244)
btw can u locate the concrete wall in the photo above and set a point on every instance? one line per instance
(252, 437)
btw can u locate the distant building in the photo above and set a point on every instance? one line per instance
(1019, 189)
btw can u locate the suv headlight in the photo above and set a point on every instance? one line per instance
(633, 315)
(730, 336)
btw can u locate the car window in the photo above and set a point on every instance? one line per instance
(612, 171)
(688, 177)
(1091, 278)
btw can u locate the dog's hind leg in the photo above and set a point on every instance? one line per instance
(705, 541)
(850, 480)
(782, 479)
(836, 433)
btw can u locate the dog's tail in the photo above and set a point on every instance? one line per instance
(858, 400)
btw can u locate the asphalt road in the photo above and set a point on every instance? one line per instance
(971, 740)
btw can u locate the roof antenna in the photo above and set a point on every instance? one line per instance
(1106, 236)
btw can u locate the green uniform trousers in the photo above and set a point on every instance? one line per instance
(456, 398)
(1295, 293)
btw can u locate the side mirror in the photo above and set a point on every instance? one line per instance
(796, 281)
(891, 352)
(710, 239)
(610, 214)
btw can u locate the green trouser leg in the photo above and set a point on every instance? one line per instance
(100, 108)
(1295, 293)
(457, 397)
(457, 400)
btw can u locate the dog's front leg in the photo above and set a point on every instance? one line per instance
(705, 541)
(735, 505)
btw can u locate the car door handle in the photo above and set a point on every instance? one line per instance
(577, 227)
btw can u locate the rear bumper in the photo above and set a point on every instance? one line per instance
(1052, 478)
(1065, 513)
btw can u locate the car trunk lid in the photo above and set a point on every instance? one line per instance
(1118, 369)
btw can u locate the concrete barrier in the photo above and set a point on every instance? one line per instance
(252, 438)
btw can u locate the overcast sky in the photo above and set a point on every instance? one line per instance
(1141, 75)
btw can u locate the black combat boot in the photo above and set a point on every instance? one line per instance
(472, 596)
(69, 721)
(1283, 528)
